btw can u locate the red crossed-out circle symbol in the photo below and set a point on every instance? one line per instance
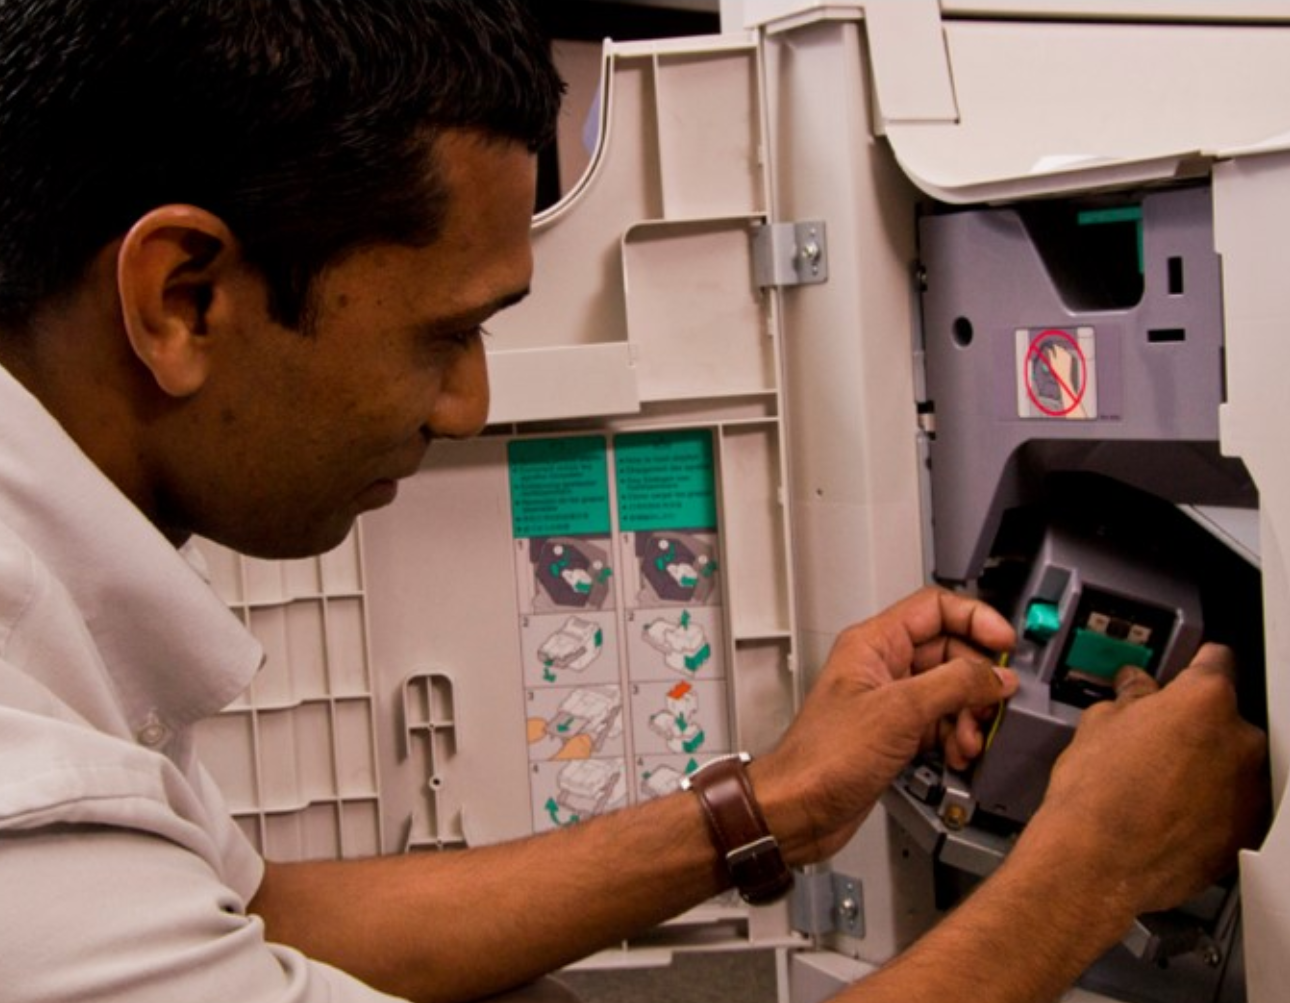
(1036, 354)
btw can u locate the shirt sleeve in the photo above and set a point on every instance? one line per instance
(116, 916)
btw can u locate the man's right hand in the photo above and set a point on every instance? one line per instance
(1159, 788)
(1147, 806)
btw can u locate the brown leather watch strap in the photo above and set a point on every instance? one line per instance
(738, 829)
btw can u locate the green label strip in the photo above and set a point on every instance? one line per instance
(559, 487)
(665, 480)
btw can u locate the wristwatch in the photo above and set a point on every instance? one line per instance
(738, 829)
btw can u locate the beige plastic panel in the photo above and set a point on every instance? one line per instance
(296, 755)
(446, 646)
(1251, 214)
(853, 446)
(698, 326)
(1261, 11)
(668, 200)
(709, 118)
(753, 509)
(1009, 99)
(1033, 100)
(850, 377)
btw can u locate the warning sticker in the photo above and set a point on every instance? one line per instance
(1056, 373)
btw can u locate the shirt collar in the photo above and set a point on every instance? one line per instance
(175, 652)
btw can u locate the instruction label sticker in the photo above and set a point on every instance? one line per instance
(559, 486)
(1056, 373)
(665, 480)
(621, 623)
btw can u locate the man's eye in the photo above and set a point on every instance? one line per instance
(465, 339)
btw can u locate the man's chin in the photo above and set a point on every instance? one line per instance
(296, 543)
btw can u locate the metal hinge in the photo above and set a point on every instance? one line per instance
(790, 254)
(826, 902)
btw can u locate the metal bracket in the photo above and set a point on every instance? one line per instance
(790, 254)
(825, 902)
(812, 903)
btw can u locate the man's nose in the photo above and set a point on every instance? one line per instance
(460, 409)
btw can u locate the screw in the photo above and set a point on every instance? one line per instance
(809, 253)
(955, 817)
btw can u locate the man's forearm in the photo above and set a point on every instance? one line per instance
(457, 925)
(1023, 937)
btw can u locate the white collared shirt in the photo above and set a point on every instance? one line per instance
(122, 875)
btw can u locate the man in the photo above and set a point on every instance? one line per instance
(246, 248)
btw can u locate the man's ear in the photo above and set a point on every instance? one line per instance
(169, 273)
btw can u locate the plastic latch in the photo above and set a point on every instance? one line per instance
(1099, 655)
(1042, 621)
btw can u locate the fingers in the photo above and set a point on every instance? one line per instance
(946, 649)
(922, 631)
(1132, 683)
(973, 620)
(1211, 661)
(967, 735)
(963, 740)
(960, 734)
(932, 618)
(958, 686)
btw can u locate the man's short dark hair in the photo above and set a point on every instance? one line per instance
(306, 125)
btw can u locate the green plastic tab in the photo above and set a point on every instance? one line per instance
(1098, 655)
(1119, 214)
(1042, 620)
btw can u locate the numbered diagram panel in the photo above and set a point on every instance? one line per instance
(629, 662)
(619, 588)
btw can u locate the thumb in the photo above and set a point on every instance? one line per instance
(1214, 660)
(959, 684)
(1132, 683)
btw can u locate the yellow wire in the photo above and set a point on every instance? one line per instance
(998, 714)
